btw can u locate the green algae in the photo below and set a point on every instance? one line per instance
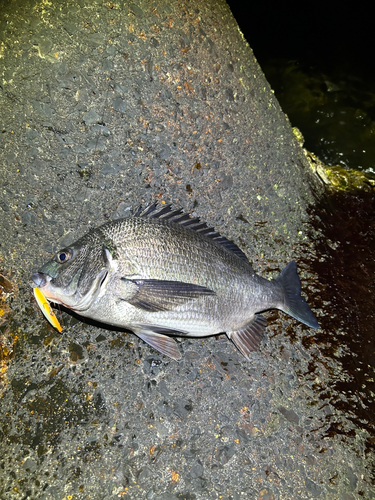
(336, 177)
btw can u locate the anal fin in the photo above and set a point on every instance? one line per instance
(248, 339)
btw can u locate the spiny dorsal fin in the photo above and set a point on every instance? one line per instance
(194, 223)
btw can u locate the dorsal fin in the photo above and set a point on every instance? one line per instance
(194, 223)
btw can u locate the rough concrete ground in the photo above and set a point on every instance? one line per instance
(104, 106)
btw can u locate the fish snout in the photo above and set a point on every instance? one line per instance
(40, 279)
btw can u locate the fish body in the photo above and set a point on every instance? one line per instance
(163, 274)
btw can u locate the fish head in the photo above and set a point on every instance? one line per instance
(75, 275)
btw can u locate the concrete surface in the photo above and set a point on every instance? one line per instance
(104, 106)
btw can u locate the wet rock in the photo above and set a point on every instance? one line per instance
(107, 65)
(313, 488)
(352, 478)
(224, 453)
(111, 169)
(71, 28)
(165, 152)
(290, 415)
(182, 408)
(28, 218)
(135, 9)
(152, 365)
(31, 135)
(197, 470)
(266, 494)
(95, 39)
(226, 182)
(91, 117)
(162, 386)
(119, 105)
(97, 144)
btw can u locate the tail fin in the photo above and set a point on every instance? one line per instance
(294, 304)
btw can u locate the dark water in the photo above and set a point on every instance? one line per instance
(317, 62)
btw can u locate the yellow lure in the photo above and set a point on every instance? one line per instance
(46, 309)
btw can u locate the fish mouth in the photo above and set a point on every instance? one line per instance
(43, 281)
(40, 279)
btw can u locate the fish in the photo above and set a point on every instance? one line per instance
(163, 273)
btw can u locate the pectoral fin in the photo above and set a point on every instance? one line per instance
(160, 295)
(162, 343)
(248, 339)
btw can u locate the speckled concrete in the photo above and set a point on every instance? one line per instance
(104, 106)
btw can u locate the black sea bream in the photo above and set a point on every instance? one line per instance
(162, 274)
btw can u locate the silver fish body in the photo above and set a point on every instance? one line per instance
(162, 273)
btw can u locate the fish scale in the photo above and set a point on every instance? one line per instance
(163, 273)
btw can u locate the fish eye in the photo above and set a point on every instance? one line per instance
(63, 256)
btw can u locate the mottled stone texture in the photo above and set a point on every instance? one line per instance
(105, 105)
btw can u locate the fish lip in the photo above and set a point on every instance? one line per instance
(43, 281)
(40, 279)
